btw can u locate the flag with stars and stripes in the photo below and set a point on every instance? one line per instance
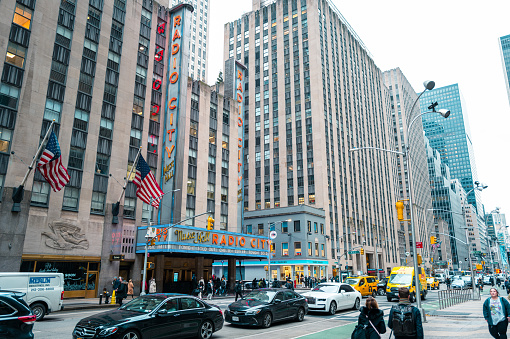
(50, 165)
(146, 185)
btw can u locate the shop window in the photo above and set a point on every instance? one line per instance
(40, 193)
(22, 16)
(71, 198)
(297, 248)
(97, 206)
(5, 139)
(15, 55)
(285, 249)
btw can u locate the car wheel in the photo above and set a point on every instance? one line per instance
(267, 320)
(131, 335)
(380, 291)
(39, 310)
(206, 330)
(332, 308)
(374, 294)
(412, 299)
(300, 315)
(356, 304)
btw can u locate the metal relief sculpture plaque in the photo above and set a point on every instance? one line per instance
(65, 235)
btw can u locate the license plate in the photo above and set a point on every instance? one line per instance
(235, 318)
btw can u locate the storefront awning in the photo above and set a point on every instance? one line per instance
(194, 240)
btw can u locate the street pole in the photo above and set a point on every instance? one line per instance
(146, 250)
(269, 252)
(376, 259)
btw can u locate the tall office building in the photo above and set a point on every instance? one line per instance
(497, 230)
(452, 138)
(402, 98)
(505, 59)
(313, 93)
(113, 77)
(199, 43)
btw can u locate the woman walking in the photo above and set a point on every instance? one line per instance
(372, 318)
(130, 289)
(496, 311)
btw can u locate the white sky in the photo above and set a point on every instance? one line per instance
(448, 41)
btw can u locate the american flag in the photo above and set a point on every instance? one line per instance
(50, 165)
(146, 184)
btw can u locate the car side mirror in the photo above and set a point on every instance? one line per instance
(277, 301)
(162, 313)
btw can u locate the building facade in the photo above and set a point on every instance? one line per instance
(313, 93)
(504, 44)
(199, 43)
(402, 97)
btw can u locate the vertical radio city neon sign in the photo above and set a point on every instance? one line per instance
(175, 107)
(239, 81)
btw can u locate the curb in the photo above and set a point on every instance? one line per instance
(85, 307)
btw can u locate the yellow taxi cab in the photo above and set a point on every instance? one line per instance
(365, 285)
(404, 277)
(432, 283)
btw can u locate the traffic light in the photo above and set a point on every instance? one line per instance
(362, 251)
(210, 223)
(150, 265)
(433, 240)
(400, 210)
(152, 242)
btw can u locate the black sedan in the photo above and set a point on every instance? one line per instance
(165, 315)
(16, 318)
(264, 306)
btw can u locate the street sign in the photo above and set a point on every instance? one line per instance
(419, 244)
(353, 252)
(407, 254)
(273, 234)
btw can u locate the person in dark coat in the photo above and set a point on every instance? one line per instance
(254, 284)
(372, 313)
(403, 295)
(238, 289)
(121, 291)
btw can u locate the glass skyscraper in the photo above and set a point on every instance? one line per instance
(451, 137)
(505, 58)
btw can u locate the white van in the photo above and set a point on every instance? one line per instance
(44, 291)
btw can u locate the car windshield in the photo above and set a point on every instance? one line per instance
(402, 279)
(142, 305)
(458, 281)
(352, 281)
(266, 296)
(326, 288)
(430, 280)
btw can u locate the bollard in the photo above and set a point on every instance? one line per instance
(101, 298)
(112, 299)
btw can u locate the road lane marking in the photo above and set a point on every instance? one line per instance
(327, 329)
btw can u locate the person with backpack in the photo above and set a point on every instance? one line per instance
(405, 319)
(496, 311)
(370, 321)
(238, 289)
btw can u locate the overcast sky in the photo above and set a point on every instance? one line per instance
(448, 41)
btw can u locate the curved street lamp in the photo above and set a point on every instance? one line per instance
(429, 85)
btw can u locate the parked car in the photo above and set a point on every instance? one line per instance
(432, 283)
(365, 285)
(264, 306)
(381, 286)
(16, 318)
(440, 277)
(43, 292)
(467, 281)
(330, 297)
(458, 283)
(154, 316)
(486, 280)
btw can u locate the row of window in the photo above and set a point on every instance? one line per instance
(317, 227)
(313, 249)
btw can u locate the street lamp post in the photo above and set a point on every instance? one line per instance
(429, 85)
(270, 242)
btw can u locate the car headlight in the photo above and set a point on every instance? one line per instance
(108, 331)
(253, 312)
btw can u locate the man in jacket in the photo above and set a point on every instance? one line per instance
(403, 304)
(121, 291)
(238, 289)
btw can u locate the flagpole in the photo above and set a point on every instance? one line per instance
(115, 208)
(17, 194)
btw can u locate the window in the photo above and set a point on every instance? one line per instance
(310, 249)
(285, 249)
(145, 212)
(309, 224)
(191, 186)
(5, 139)
(210, 191)
(261, 229)
(297, 226)
(315, 228)
(285, 227)
(76, 156)
(297, 248)
(106, 128)
(224, 194)
(129, 207)
(316, 249)
(193, 128)
(40, 193)
(248, 229)
(6, 309)
(322, 250)
(189, 303)
(97, 206)
(15, 54)
(212, 136)
(224, 141)
(71, 197)
(52, 110)
(22, 16)
(102, 162)
(322, 228)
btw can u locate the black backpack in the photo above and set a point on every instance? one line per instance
(404, 322)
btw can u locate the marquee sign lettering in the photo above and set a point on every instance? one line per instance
(239, 73)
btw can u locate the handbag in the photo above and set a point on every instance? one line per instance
(359, 332)
(375, 329)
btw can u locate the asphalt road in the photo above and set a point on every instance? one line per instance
(61, 324)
